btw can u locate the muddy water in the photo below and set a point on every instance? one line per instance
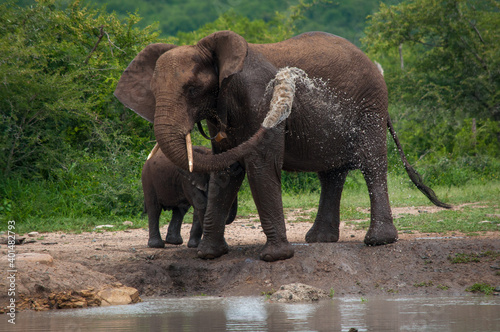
(257, 314)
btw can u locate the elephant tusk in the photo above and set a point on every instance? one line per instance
(189, 147)
(153, 152)
(220, 136)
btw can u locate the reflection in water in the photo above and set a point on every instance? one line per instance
(256, 314)
(245, 314)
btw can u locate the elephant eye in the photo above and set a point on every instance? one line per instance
(193, 91)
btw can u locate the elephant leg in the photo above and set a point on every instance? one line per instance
(154, 212)
(382, 230)
(174, 227)
(264, 177)
(196, 231)
(222, 191)
(327, 223)
(233, 212)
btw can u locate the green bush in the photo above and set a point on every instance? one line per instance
(96, 184)
(58, 72)
(444, 147)
(442, 52)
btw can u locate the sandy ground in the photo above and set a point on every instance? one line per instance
(417, 264)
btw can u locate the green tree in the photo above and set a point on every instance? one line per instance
(342, 18)
(450, 54)
(281, 26)
(58, 71)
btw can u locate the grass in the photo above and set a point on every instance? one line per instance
(48, 207)
(481, 288)
(464, 258)
(468, 220)
(424, 284)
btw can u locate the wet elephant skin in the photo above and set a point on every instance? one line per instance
(336, 125)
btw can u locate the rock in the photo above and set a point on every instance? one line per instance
(31, 257)
(128, 223)
(118, 296)
(103, 226)
(71, 300)
(87, 293)
(7, 239)
(33, 234)
(298, 293)
(82, 299)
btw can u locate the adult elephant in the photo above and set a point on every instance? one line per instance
(338, 123)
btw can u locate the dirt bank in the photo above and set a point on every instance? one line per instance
(417, 264)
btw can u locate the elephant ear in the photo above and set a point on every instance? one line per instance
(134, 87)
(196, 180)
(229, 51)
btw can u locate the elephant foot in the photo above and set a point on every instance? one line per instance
(212, 249)
(156, 243)
(276, 252)
(172, 239)
(322, 234)
(193, 243)
(385, 233)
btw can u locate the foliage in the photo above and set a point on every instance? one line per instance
(484, 288)
(343, 18)
(424, 284)
(190, 15)
(281, 26)
(58, 70)
(464, 258)
(450, 50)
(64, 137)
(470, 217)
(445, 150)
(445, 86)
(252, 31)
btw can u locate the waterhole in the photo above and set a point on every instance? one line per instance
(471, 313)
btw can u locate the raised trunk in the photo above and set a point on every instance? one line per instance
(173, 134)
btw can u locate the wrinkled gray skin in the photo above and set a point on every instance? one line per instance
(167, 187)
(222, 79)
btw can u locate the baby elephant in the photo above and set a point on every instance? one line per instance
(167, 187)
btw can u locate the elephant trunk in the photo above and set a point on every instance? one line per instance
(283, 95)
(174, 139)
(179, 150)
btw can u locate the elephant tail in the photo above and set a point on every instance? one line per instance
(413, 174)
